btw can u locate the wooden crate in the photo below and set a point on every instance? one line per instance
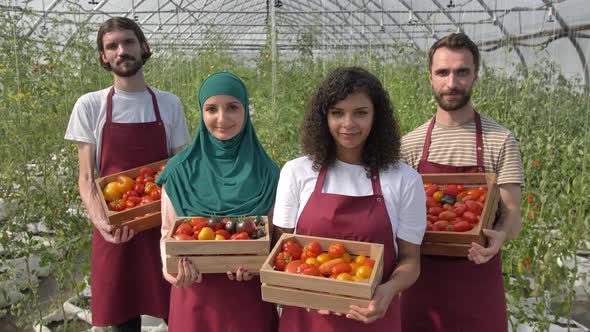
(139, 218)
(457, 243)
(214, 256)
(317, 292)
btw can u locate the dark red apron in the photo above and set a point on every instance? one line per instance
(358, 218)
(218, 304)
(126, 278)
(455, 294)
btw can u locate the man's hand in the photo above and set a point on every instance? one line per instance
(377, 307)
(479, 255)
(121, 235)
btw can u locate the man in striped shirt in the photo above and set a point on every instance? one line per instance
(459, 140)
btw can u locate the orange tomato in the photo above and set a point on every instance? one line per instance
(437, 196)
(312, 261)
(219, 237)
(344, 276)
(346, 257)
(206, 234)
(364, 271)
(360, 260)
(324, 257)
(370, 262)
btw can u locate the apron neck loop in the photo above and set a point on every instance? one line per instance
(109, 118)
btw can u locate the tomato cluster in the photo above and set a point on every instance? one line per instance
(216, 228)
(453, 208)
(126, 193)
(311, 260)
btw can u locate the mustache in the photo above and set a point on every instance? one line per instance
(125, 57)
(453, 91)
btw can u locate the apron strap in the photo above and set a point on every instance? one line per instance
(478, 141)
(375, 182)
(109, 118)
(319, 184)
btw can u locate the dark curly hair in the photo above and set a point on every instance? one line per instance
(121, 23)
(382, 148)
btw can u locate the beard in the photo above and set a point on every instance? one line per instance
(453, 105)
(125, 68)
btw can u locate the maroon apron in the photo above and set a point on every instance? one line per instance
(358, 218)
(454, 294)
(126, 278)
(218, 304)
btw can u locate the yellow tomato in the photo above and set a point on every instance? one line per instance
(437, 196)
(360, 260)
(111, 192)
(346, 257)
(206, 233)
(357, 278)
(344, 276)
(353, 268)
(364, 271)
(312, 261)
(324, 257)
(219, 237)
(124, 183)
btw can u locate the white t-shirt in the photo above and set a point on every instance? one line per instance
(401, 186)
(90, 112)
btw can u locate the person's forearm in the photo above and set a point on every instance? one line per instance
(510, 224)
(509, 206)
(405, 274)
(92, 200)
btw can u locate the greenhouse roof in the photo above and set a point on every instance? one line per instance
(507, 31)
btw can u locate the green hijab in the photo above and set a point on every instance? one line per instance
(229, 178)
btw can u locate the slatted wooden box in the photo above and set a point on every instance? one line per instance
(214, 256)
(139, 218)
(443, 243)
(317, 292)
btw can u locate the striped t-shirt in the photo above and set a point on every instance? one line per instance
(455, 146)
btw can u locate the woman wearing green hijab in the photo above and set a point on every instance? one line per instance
(224, 172)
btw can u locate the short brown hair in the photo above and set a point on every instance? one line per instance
(383, 145)
(455, 41)
(121, 23)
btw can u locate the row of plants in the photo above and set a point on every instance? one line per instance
(40, 83)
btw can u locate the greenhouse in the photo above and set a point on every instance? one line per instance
(533, 80)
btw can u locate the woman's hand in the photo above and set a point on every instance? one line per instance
(187, 274)
(377, 308)
(242, 274)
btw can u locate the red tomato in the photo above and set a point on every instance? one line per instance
(474, 192)
(134, 199)
(341, 268)
(451, 190)
(198, 220)
(461, 195)
(431, 218)
(460, 227)
(281, 261)
(482, 198)
(431, 190)
(435, 211)
(139, 187)
(149, 187)
(430, 228)
(447, 215)
(469, 217)
(145, 200)
(336, 250)
(293, 265)
(183, 237)
(198, 226)
(308, 269)
(161, 168)
(146, 172)
(467, 198)
(370, 262)
(474, 207)
(292, 249)
(240, 236)
(156, 194)
(118, 204)
(459, 208)
(184, 228)
(313, 249)
(430, 202)
(441, 225)
(129, 204)
(223, 233)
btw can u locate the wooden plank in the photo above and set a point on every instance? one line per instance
(362, 290)
(311, 300)
(214, 247)
(444, 249)
(218, 264)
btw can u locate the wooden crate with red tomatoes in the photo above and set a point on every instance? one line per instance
(348, 275)
(218, 245)
(459, 207)
(131, 198)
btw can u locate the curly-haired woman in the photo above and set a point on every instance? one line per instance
(351, 185)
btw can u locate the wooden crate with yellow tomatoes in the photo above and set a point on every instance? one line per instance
(333, 289)
(471, 203)
(218, 245)
(145, 212)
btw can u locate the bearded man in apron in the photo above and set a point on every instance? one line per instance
(459, 140)
(124, 126)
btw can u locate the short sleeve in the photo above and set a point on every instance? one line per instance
(509, 169)
(412, 211)
(80, 127)
(179, 135)
(287, 199)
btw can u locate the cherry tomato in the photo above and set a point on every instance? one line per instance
(364, 271)
(336, 250)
